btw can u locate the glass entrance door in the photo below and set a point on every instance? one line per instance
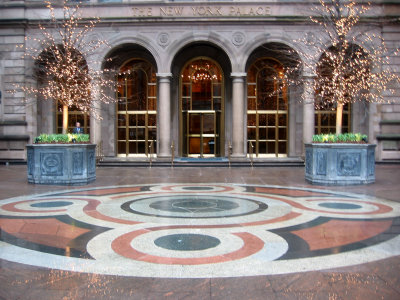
(202, 133)
(201, 109)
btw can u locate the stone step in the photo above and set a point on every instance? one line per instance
(204, 163)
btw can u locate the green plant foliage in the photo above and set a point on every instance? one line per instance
(340, 138)
(62, 138)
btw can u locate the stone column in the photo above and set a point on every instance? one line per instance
(238, 112)
(308, 109)
(164, 115)
(95, 126)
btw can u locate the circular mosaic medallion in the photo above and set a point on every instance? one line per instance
(191, 231)
(187, 242)
(52, 204)
(338, 205)
(191, 205)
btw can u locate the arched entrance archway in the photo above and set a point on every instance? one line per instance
(202, 108)
(211, 61)
(272, 126)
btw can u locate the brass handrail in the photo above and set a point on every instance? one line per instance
(229, 153)
(151, 150)
(99, 152)
(172, 153)
(251, 154)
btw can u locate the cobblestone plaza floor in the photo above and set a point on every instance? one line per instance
(199, 233)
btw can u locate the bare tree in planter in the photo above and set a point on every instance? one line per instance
(352, 60)
(352, 63)
(62, 59)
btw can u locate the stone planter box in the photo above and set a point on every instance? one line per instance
(340, 164)
(62, 164)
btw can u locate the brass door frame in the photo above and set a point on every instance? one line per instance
(184, 115)
(276, 128)
(129, 126)
(201, 135)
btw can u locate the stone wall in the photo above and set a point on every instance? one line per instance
(14, 133)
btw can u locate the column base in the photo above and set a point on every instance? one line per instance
(238, 156)
(164, 157)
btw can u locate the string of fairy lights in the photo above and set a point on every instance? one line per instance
(200, 72)
(351, 63)
(62, 54)
(356, 67)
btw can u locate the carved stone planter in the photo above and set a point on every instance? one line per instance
(61, 164)
(340, 164)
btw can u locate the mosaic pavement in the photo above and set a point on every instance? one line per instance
(201, 230)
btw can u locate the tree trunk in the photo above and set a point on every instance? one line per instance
(65, 119)
(339, 117)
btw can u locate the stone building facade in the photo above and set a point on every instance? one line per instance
(197, 72)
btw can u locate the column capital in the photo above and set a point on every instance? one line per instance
(309, 75)
(164, 75)
(238, 75)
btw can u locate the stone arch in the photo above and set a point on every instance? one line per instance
(193, 50)
(137, 44)
(197, 49)
(120, 54)
(207, 38)
(258, 42)
(276, 50)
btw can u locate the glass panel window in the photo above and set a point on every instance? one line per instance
(137, 103)
(267, 108)
(251, 133)
(325, 120)
(74, 116)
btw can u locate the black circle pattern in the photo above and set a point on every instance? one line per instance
(192, 205)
